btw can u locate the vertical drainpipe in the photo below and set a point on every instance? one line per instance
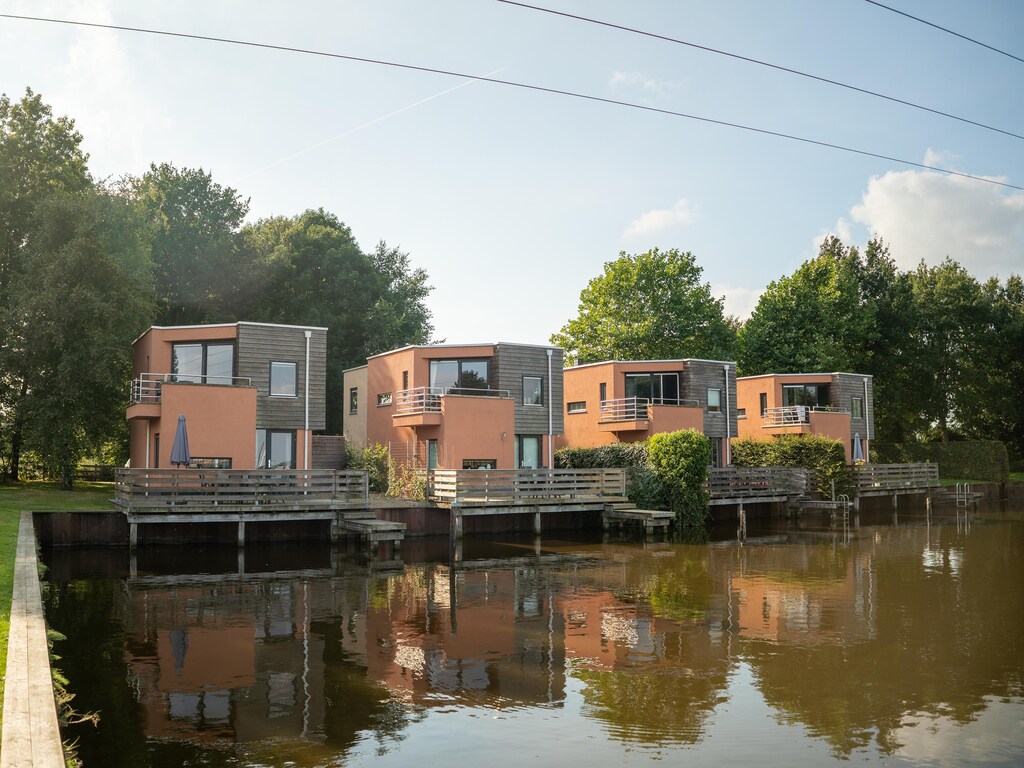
(728, 422)
(305, 460)
(867, 424)
(551, 415)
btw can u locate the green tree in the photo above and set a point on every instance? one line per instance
(647, 306)
(200, 276)
(85, 292)
(400, 315)
(812, 320)
(39, 155)
(315, 274)
(953, 332)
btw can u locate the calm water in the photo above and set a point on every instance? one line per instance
(899, 645)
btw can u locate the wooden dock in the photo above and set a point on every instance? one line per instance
(164, 496)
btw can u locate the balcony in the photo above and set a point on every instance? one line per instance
(635, 414)
(423, 406)
(147, 390)
(794, 415)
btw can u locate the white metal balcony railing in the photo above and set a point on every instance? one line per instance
(428, 399)
(790, 415)
(146, 388)
(637, 408)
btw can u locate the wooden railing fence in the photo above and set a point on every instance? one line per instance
(528, 486)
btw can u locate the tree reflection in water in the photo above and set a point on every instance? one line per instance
(856, 642)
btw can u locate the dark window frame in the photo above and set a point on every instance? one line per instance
(187, 378)
(717, 408)
(540, 391)
(459, 385)
(270, 377)
(569, 406)
(353, 400)
(854, 402)
(268, 442)
(764, 404)
(651, 375)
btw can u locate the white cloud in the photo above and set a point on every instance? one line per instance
(739, 301)
(660, 219)
(648, 84)
(927, 215)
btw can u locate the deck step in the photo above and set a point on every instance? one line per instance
(373, 529)
(650, 518)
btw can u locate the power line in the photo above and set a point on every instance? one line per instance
(759, 62)
(509, 83)
(949, 31)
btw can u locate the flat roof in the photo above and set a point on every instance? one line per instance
(227, 325)
(817, 373)
(642, 362)
(470, 344)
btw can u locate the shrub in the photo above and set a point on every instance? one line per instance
(680, 460)
(968, 460)
(826, 457)
(643, 487)
(375, 460)
(406, 482)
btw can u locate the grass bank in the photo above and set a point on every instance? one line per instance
(13, 499)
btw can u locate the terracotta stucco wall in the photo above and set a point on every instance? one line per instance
(221, 422)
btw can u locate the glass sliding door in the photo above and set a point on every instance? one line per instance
(460, 376)
(657, 388)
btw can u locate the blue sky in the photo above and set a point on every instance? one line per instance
(512, 200)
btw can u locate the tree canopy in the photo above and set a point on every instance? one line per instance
(647, 306)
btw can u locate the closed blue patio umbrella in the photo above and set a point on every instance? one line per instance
(179, 449)
(858, 449)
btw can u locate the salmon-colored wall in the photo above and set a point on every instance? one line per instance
(476, 428)
(221, 422)
(354, 424)
(471, 427)
(584, 384)
(152, 352)
(835, 426)
(748, 395)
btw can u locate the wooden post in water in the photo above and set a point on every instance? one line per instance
(741, 532)
(241, 533)
(536, 523)
(133, 536)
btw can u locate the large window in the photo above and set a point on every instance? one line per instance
(811, 395)
(657, 388)
(275, 449)
(284, 379)
(528, 451)
(533, 390)
(468, 377)
(203, 362)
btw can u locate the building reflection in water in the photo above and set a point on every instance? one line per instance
(850, 640)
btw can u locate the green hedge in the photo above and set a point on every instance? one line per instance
(643, 487)
(680, 460)
(826, 457)
(985, 460)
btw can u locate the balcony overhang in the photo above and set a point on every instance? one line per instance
(143, 411)
(422, 419)
(628, 425)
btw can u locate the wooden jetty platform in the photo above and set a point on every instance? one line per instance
(475, 492)
(163, 496)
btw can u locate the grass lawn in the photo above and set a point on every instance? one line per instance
(13, 499)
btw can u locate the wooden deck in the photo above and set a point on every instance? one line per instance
(735, 485)
(895, 479)
(488, 488)
(149, 496)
